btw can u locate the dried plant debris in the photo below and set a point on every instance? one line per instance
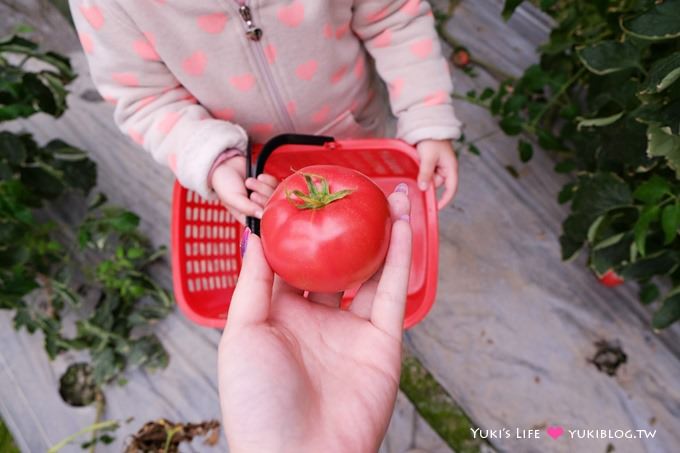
(165, 436)
(608, 357)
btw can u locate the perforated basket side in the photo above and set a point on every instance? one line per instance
(205, 257)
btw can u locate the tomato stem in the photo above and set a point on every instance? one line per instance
(318, 197)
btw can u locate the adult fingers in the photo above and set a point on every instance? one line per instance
(328, 299)
(251, 301)
(389, 302)
(450, 182)
(438, 180)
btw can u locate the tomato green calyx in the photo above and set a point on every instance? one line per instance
(318, 196)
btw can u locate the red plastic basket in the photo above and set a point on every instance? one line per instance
(205, 239)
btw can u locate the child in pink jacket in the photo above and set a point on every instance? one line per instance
(191, 79)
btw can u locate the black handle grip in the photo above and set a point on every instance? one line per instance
(280, 140)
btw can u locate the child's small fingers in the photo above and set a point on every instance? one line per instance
(244, 205)
(451, 185)
(438, 180)
(259, 187)
(268, 179)
(259, 198)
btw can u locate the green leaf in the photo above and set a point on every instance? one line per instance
(473, 149)
(662, 21)
(647, 216)
(652, 190)
(511, 124)
(609, 56)
(77, 386)
(668, 313)
(600, 193)
(598, 122)
(663, 144)
(649, 292)
(662, 74)
(566, 194)
(509, 7)
(12, 148)
(148, 351)
(526, 151)
(7, 444)
(661, 263)
(670, 222)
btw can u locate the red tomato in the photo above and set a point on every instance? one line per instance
(610, 279)
(326, 228)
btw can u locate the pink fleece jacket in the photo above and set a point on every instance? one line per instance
(190, 77)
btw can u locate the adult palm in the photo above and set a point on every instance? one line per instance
(299, 374)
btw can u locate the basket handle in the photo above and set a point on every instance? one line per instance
(267, 150)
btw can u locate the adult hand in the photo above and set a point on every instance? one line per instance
(438, 164)
(299, 374)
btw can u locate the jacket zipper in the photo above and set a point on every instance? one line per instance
(254, 34)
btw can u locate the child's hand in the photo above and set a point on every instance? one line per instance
(230, 183)
(438, 162)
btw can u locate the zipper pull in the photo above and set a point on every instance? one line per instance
(253, 33)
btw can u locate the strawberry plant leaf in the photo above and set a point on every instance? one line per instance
(670, 222)
(662, 74)
(668, 313)
(661, 22)
(609, 56)
(649, 292)
(663, 144)
(526, 151)
(652, 190)
(647, 216)
(509, 8)
(598, 122)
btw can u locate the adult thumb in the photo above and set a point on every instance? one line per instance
(252, 297)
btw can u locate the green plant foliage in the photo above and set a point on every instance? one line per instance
(97, 270)
(605, 97)
(7, 444)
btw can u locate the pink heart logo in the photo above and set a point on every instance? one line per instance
(338, 75)
(265, 129)
(86, 42)
(145, 50)
(384, 39)
(321, 115)
(422, 48)
(341, 31)
(225, 114)
(195, 64)
(554, 431)
(125, 78)
(307, 70)
(212, 23)
(168, 122)
(244, 82)
(395, 87)
(411, 7)
(440, 97)
(293, 14)
(93, 15)
(359, 67)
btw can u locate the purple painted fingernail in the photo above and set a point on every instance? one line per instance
(402, 187)
(244, 241)
(406, 218)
